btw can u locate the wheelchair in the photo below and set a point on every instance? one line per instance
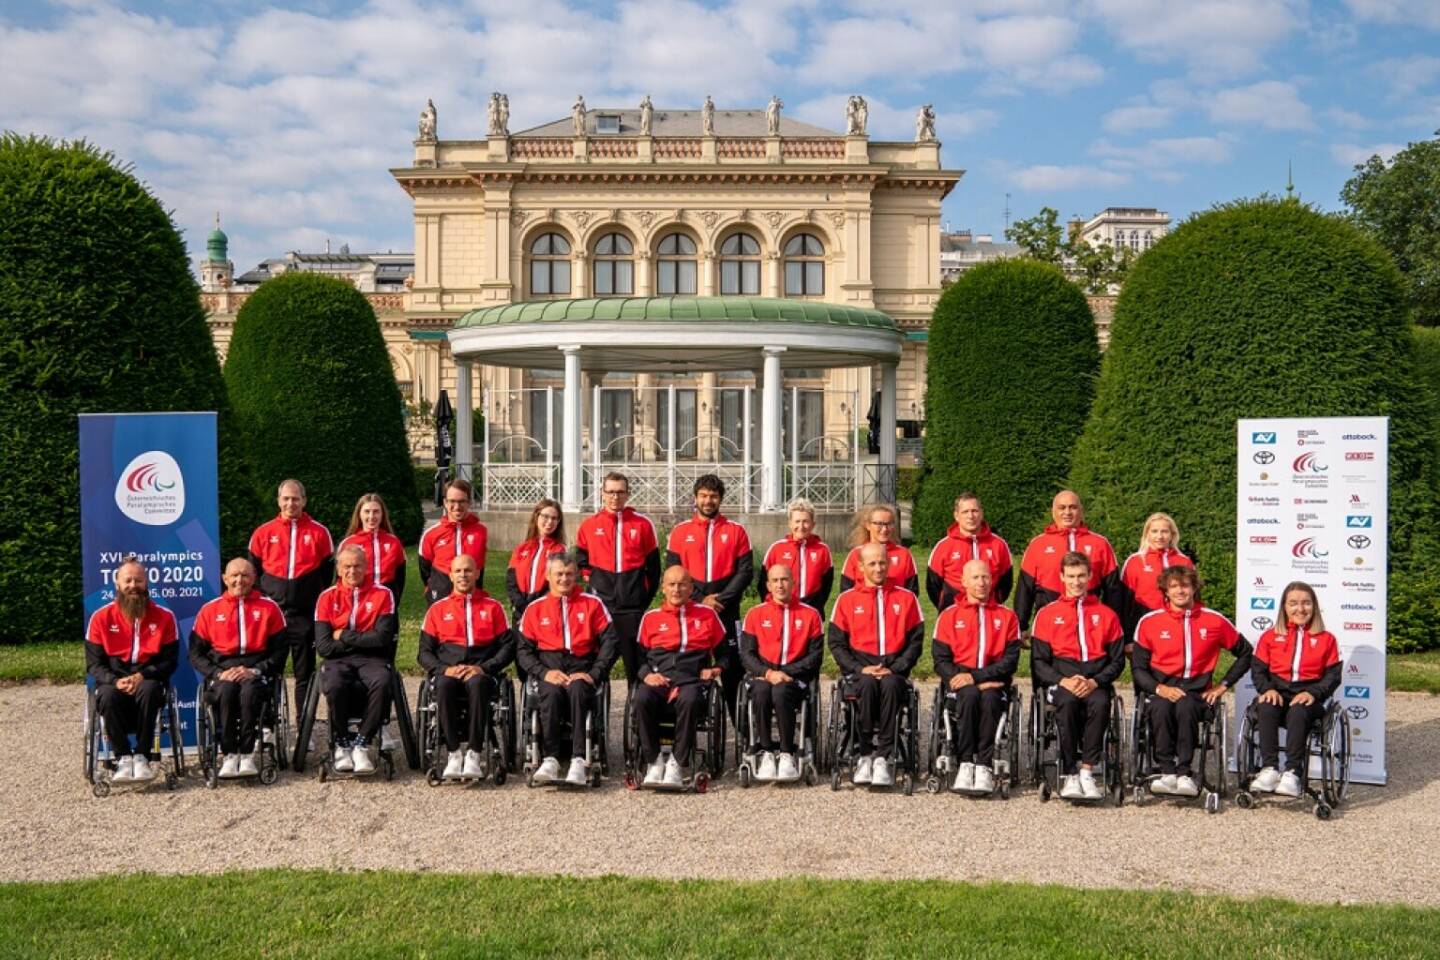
(747, 749)
(708, 761)
(943, 763)
(1044, 749)
(98, 767)
(1211, 767)
(499, 749)
(399, 714)
(274, 733)
(1328, 741)
(597, 733)
(842, 741)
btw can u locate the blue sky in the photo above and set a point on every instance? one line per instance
(286, 118)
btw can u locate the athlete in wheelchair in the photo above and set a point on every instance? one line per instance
(1077, 653)
(976, 649)
(876, 635)
(781, 645)
(238, 645)
(1179, 708)
(566, 647)
(465, 646)
(1296, 670)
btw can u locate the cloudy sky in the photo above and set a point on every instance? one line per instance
(286, 118)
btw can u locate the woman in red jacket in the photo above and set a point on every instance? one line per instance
(1296, 669)
(525, 577)
(1140, 575)
(370, 530)
(880, 523)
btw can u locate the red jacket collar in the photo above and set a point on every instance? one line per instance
(302, 519)
(478, 594)
(719, 519)
(964, 600)
(1073, 601)
(954, 531)
(666, 607)
(469, 520)
(1059, 531)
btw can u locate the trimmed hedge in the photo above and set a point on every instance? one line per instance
(1259, 308)
(98, 313)
(1009, 380)
(1427, 372)
(316, 399)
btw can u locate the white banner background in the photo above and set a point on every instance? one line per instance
(1313, 506)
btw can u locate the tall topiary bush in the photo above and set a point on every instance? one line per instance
(98, 313)
(1009, 379)
(316, 398)
(1257, 308)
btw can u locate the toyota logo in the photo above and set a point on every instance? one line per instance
(1263, 457)
(1261, 623)
(1357, 712)
(1359, 541)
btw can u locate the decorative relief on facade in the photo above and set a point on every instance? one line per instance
(518, 217)
(774, 217)
(837, 217)
(710, 218)
(582, 218)
(646, 217)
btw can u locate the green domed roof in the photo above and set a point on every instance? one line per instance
(217, 244)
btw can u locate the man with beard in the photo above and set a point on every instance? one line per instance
(131, 650)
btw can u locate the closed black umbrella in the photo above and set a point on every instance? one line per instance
(444, 442)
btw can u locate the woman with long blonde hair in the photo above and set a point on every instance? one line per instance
(880, 523)
(370, 530)
(1140, 589)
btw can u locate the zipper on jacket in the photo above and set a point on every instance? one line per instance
(242, 626)
(290, 567)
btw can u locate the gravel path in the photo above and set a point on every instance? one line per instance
(1382, 846)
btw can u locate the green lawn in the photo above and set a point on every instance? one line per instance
(63, 661)
(383, 914)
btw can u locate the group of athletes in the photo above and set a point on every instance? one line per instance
(577, 606)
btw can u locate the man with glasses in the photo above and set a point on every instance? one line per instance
(457, 532)
(620, 555)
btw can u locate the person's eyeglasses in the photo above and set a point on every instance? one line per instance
(615, 493)
(456, 503)
(882, 523)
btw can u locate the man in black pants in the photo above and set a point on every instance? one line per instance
(619, 554)
(781, 646)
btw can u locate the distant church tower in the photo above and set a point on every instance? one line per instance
(216, 270)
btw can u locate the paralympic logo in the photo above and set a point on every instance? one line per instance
(1307, 463)
(146, 477)
(151, 489)
(1307, 548)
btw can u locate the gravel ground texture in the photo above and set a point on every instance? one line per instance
(1382, 845)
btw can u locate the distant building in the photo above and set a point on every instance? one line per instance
(962, 250)
(1135, 227)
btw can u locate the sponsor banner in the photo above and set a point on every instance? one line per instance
(148, 486)
(1312, 505)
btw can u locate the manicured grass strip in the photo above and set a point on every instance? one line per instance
(386, 914)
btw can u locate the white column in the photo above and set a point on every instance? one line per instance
(464, 421)
(772, 457)
(570, 484)
(887, 431)
(670, 444)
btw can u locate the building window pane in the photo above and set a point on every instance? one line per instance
(686, 423)
(804, 266)
(614, 272)
(740, 266)
(549, 268)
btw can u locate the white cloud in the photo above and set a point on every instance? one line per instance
(1054, 178)
(1270, 103)
(1424, 13)
(1227, 36)
(1409, 75)
(1349, 119)
(1349, 154)
(1139, 117)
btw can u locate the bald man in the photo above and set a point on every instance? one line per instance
(1040, 581)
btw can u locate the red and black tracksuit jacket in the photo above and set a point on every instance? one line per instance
(717, 555)
(782, 636)
(811, 566)
(679, 642)
(902, 575)
(571, 634)
(366, 616)
(525, 577)
(947, 562)
(877, 627)
(441, 544)
(296, 561)
(384, 558)
(981, 639)
(1297, 661)
(1180, 648)
(246, 631)
(116, 647)
(1140, 585)
(1077, 635)
(620, 555)
(467, 628)
(1040, 569)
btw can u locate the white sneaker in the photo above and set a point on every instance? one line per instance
(579, 774)
(1289, 785)
(672, 773)
(124, 770)
(655, 775)
(964, 778)
(786, 769)
(1088, 785)
(548, 771)
(1070, 788)
(765, 772)
(1164, 785)
(248, 766)
(1186, 787)
(230, 767)
(863, 772)
(343, 762)
(360, 757)
(880, 773)
(143, 771)
(984, 779)
(1266, 780)
(474, 765)
(454, 766)
(388, 741)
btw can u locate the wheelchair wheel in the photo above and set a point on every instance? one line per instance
(601, 733)
(400, 706)
(932, 762)
(177, 740)
(628, 741)
(1035, 741)
(307, 726)
(509, 729)
(912, 738)
(833, 758)
(715, 755)
(1013, 735)
(1335, 756)
(1217, 758)
(92, 743)
(205, 747)
(427, 727)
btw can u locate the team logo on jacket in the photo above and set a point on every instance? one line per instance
(580, 616)
(724, 538)
(154, 627)
(895, 607)
(1059, 621)
(997, 623)
(766, 623)
(634, 534)
(1086, 548)
(470, 538)
(441, 541)
(544, 621)
(307, 538)
(369, 605)
(151, 489)
(1204, 632)
(798, 621)
(255, 615)
(448, 618)
(1049, 549)
(1094, 619)
(219, 618)
(1164, 634)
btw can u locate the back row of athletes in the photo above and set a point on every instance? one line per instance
(285, 597)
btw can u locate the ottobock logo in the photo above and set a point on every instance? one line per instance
(1357, 606)
(1358, 541)
(1357, 436)
(1262, 603)
(1263, 522)
(1358, 521)
(1308, 463)
(1261, 436)
(1356, 693)
(1307, 548)
(151, 489)
(1263, 457)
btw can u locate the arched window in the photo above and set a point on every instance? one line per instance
(676, 268)
(740, 266)
(1135, 240)
(550, 266)
(1149, 239)
(804, 266)
(614, 271)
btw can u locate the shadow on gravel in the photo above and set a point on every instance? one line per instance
(1412, 762)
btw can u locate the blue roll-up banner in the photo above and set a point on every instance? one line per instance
(149, 486)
